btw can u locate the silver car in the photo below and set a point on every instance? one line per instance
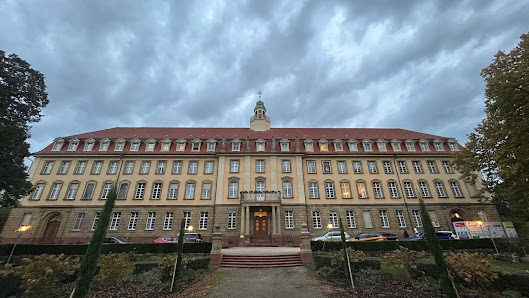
(331, 236)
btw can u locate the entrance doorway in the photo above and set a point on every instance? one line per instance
(260, 223)
(51, 230)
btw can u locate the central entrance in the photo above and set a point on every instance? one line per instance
(260, 222)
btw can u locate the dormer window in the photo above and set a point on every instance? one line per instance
(260, 145)
(135, 144)
(353, 145)
(367, 145)
(324, 145)
(120, 144)
(284, 145)
(453, 145)
(195, 144)
(309, 145)
(410, 145)
(338, 145)
(151, 143)
(438, 144)
(166, 144)
(57, 145)
(105, 143)
(74, 143)
(211, 145)
(381, 145)
(89, 144)
(180, 144)
(424, 145)
(395, 144)
(236, 145)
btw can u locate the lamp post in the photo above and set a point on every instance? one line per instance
(20, 230)
(190, 228)
(329, 227)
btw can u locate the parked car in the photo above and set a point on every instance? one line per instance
(441, 235)
(188, 238)
(331, 236)
(166, 240)
(113, 240)
(451, 233)
(374, 236)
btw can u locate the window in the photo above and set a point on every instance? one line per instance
(57, 145)
(323, 145)
(234, 166)
(313, 190)
(289, 219)
(260, 166)
(73, 145)
(482, 215)
(372, 166)
(433, 217)
(338, 146)
(326, 167)
(285, 166)
(287, 189)
(180, 145)
(471, 188)
(79, 221)
(349, 214)
(361, 188)
(195, 145)
(156, 191)
(393, 191)
(211, 145)
(193, 167)
(56, 188)
(417, 166)
(333, 219)
(104, 145)
(168, 221)
(260, 187)
(454, 185)
(129, 167)
(150, 145)
(453, 146)
(357, 167)
(311, 166)
(123, 189)
(402, 167)
(160, 167)
(133, 221)
(173, 191)
(387, 167)
(72, 191)
(408, 189)
(203, 221)
(377, 190)
(424, 145)
(96, 220)
(177, 167)
(232, 220)
(440, 189)
(284, 146)
(145, 166)
(140, 191)
(151, 218)
(367, 145)
(208, 167)
(342, 168)
(438, 146)
(106, 190)
(166, 145)
(425, 190)
(65, 165)
(187, 219)
(316, 219)
(417, 218)
(135, 146)
(447, 167)
(381, 145)
(367, 219)
(113, 167)
(235, 146)
(233, 190)
(400, 218)
(206, 191)
(190, 191)
(309, 146)
(47, 167)
(89, 190)
(346, 190)
(432, 167)
(96, 167)
(114, 222)
(395, 144)
(260, 145)
(410, 146)
(329, 190)
(119, 145)
(384, 218)
(353, 145)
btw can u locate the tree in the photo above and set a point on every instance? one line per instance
(22, 97)
(499, 145)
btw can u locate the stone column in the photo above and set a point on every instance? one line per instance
(304, 247)
(243, 220)
(248, 219)
(278, 221)
(216, 247)
(274, 231)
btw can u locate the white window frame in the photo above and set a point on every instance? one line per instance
(133, 221)
(79, 221)
(190, 191)
(372, 167)
(393, 189)
(203, 220)
(156, 190)
(187, 219)
(326, 165)
(401, 220)
(384, 220)
(408, 189)
(129, 167)
(81, 166)
(403, 169)
(287, 189)
(333, 219)
(234, 166)
(361, 190)
(55, 190)
(233, 191)
(48, 166)
(208, 167)
(259, 166)
(456, 188)
(107, 186)
(388, 169)
(145, 167)
(342, 167)
(311, 166)
(345, 187)
(417, 167)
(425, 190)
(417, 218)
(313, 190)
(96, 167)
(329, 190)
(285, 166)
(114, 222)
(168, 221)
(377, 190)
(206, 191)
(72, 190)
(95, 221)
(139, 194)
(289, 219)
(160, 166)
(446, 165)
(432, 166)
(173, 191)
(232, 220)
(193, 167)
(177, 167)
(316, 220)
(350, 217)
(151, 220)
(65, 165)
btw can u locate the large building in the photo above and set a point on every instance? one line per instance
(257, 184)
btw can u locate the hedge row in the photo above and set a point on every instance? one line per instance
(321, 261)
(75, 249)
(392, 245)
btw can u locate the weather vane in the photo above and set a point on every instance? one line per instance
(259, 94)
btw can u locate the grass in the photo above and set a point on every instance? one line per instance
(511, 267)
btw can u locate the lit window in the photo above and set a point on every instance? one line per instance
(180, 145)
(323, 145)
(361, 188)
(346, 190)
(434, 219)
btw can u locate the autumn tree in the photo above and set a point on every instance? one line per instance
(499, 146)
(22, 96)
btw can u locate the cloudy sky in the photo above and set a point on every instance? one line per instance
(406, 64)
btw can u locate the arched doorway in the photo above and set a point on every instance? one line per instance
(51, 229)
(457, 215)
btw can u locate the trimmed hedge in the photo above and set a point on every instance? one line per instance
(321, 261)
(75, 249)
(392, 245)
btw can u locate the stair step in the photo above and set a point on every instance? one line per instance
(263, 261)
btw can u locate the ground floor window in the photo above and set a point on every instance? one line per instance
(316, 219)
(203, 221)
(232, 220)
(350, 219)
(289, 219)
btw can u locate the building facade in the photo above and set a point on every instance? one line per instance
(257, 183)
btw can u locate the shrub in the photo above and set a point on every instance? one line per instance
(144, 267)
(321, 260)
(331, 273)
(369, 264)
(471, 268)
(403, 258)
(114, 267)
(355, 257)
(198, 263)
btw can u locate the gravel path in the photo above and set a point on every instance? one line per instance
(291, 282)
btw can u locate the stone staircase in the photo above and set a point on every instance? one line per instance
(261, 241)
(264, 261)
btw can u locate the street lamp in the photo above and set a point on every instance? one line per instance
(329, 227)
(20, 230)
(190, 228)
